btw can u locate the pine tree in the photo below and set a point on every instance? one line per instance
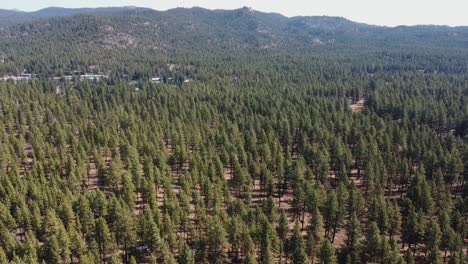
(88, 259)
(186, 257)
(434, 256)
(327, 253)
(104, 239)
(373, 243)
(3, 257)
(331, 213)
(414, 228)
(342, 195)
(433, 235)
(114, 174)
(395, 219)
(77, 245)
(51, 250)
(282, 230)
(150, 232)
(299, 255)
(249, 259)
(85, 215)
(217, 242)
(128, 191)
(420, 193)
(316, 224)
(270, 209)
(311, 248)
(266, 243)
(353, 239)
(448, 235)
(125, 232)
(29, 250)
(409, 257)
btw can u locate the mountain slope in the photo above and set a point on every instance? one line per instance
(56, 38)
(242, 28)
(14, 16)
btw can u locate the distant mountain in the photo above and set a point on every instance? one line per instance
(126, 27)
(91, 34)
(60, 11)
(15, 16)
(11, 16)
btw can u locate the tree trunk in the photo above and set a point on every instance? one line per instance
(389, 186)
(281, 254)
(334, 229)
(125, 256)
(279, 197)
(303, 216)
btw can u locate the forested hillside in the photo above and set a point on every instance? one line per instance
(265, 139)
(50, 41)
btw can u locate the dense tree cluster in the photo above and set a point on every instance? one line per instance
(135, 42)
(243, 170)
(260, 159)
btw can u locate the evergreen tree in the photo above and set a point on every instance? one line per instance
(327, 253)
(217, 242)
(186, 257)
(373, 243)
(104, 239)
(249, 259)
(311, 248)
(282, 230)
(297, 244)
(353, 239)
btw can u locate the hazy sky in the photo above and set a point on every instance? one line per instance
(380, 12)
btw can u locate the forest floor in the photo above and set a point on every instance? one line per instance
(357, 106)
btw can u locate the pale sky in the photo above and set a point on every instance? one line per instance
(377, 12)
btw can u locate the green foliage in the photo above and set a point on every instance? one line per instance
(297, 245)
(217, 170)
(327, 253)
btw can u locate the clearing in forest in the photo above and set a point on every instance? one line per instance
(357, 106)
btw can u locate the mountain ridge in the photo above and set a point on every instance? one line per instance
(64, 11)
(239, 28)
(134, 33)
